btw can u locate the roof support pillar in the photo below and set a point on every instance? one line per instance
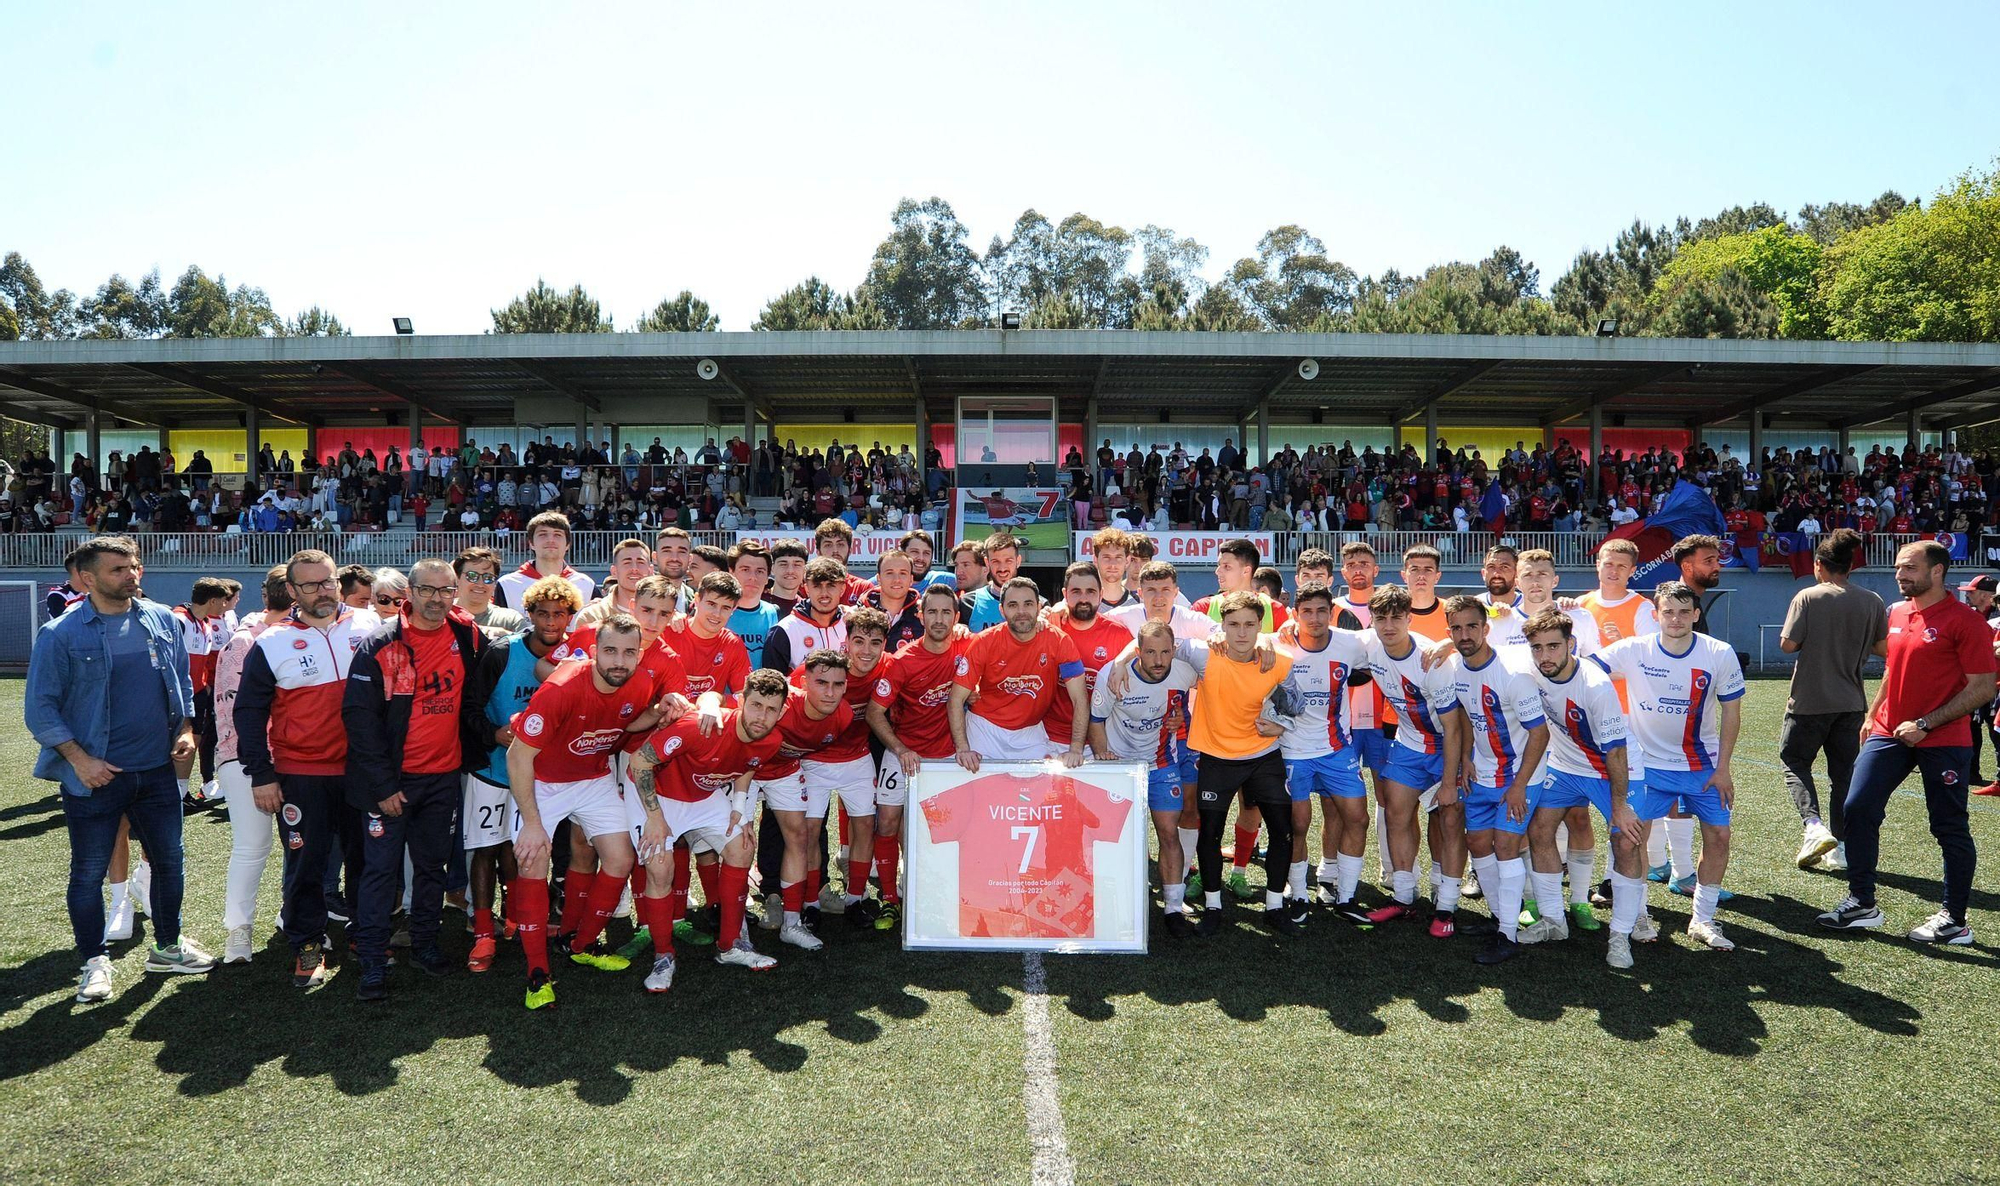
(1843, 441)
(1595, 494)
(1915, 431)
(1756, 439)
(1396, 435)
(253, 434)
(416, 429)
(1263, 431)
(163, 440)
(94, 443)
(1430, 431)
(57, 442)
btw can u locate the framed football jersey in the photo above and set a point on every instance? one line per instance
(1027, 856)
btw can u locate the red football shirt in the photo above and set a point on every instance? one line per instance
(718, 664)
(575, 726)
(1016, 680)
(431, 746)
(660, 661)
(853, 740)
(1931, 651)
(802, 735)
(1095, 648)
(693, 767)
(1025, 867)
(915, 686)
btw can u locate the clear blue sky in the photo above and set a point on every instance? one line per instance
(433, 160)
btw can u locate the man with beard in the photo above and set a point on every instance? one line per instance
(1700, 560)
(1096, 637)
(673, 551)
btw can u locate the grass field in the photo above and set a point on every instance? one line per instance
(1351, 1056)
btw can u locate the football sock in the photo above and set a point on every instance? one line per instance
(1705, 899)
(1246, 844)
(1176, 897)
(1488, 870)
(814, 879)
(531, 903)
(1349, 876)
(1274, 899)
(1582, 874)
(1447, 892)
(1507, 906)
(657, 915)
(888, 860)
(1680, 846)
(1548, 892)
(482, 924)
(1211, 899)
(1403, 885)
(1295, 879)
(857, 881)
(677, 899)
(604, 895)
(734, 884)
(1326, 871)
(1189, 837)
(1628, 898)
(577, 888)
(1656, 845)
(794, 895)
(711, 892)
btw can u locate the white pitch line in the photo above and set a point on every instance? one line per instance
(1046, 1136)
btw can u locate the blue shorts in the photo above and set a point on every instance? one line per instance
(1407, 767)
(1565, 790)
(1687, 790)
(1486, 808)
(1376, 750)
(1163, 788)
(1184, 763)
(1335, 775)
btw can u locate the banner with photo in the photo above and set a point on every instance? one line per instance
(1027, 856)
(1192, 547)
(1037, 516)
(867, 545)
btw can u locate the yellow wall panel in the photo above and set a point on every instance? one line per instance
(1491, 442)
(819, 436)
(224, 446)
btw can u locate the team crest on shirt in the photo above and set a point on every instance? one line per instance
(625, 710)
(1575, 714)
(1102, 653)
(826, 739)
(717, 661)
(293, 815)
(963, 666)
(669, 746)
(756, 762)
(1041, 660)
(1930, 634)
(1701, 679)
(300, 644)
(532, 724)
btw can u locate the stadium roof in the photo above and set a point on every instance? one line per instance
(1109, 376)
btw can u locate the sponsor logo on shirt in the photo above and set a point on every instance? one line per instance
(596, 741)
(1022, 685)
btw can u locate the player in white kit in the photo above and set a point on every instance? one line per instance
(1139, 724)
(1321, 758)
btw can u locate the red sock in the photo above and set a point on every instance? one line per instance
(857, 876)
(888, 857)
(710, 894)
(814, 879)
(482, 924)
(658, 916)
(639, 882)
(794, 895)
(677, 900)
(604, 895)
(531, 901)
(576, 899)
(735, 892)
(1246, 844)
(843, 827)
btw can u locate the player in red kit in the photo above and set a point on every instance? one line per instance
(907, 714)
(1097, 640)
(1017, 668)
(847, 768)
(713, 655)
(559, 767)
(816, 716)
(703, 789)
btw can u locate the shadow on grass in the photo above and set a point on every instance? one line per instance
(1353, 975)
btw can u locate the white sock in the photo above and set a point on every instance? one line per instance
(1274, 899)
(118, 893)
(1656, 845)
(1403, 884)
(1512, 876)
(1211, 899)
(1487, 868)
(1437, 876)
(1350, 876)
(1705, 899)
(1812, 821)
(1176, 897)
(1325, 872)
(1628, 898)
(1582, 874)
(1680, 846)
(791, 918)
(1188, 838)
(1447, 892)
(1562, 835)
(1382, 839)
(1295, 879)
(1548, 892)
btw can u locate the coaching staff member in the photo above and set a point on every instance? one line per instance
(1940, 669)
(409, 742)
(1833, 627)
(109, 700)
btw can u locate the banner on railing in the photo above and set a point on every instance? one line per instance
(867, 547)
(1193, 547)
(1038, 517)
(1990, 545)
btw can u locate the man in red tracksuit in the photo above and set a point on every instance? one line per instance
(409, 743)
(294, 751)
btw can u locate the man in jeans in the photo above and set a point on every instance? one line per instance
(1833, 627)
(114, 754)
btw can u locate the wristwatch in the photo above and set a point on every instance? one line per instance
(1923, 723)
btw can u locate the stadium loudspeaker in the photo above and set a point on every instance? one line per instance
(1309, 369)
(707, 368)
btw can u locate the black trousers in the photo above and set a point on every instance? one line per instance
(204, 731)
(315, 823)
(1801, 740)
(1262, 781)
(424, 829)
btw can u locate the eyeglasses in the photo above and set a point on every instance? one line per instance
(479, 578)
(387, 599)
(316, 586)
(434, 590)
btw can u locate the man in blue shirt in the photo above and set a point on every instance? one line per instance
(755, 618)
(114, 754)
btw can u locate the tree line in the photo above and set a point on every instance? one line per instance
(1889, 269)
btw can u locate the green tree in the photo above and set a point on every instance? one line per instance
(1498, 295)
(40, 314)
(1930, 275)
(201, 307)
(1059, 310)
(121, 309)
(679, 314)
(1080, 259)
(1780, 263)
(543, 310)
(10, 325)
(1170, 267)
(1831, 221)
(314, 323)
(923, 275)
(1727, 304)
(1292, 284)
(1617, 281)
(815, 305)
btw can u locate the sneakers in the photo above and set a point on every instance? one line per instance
(1852, 914)
(603, 961)
(118, 925)
(1531, 913)
(744, 957)
(661, 978)
(1469, 887)
(1498, 950)
(796, 934)
(1239, 884)
(431, 961)
(1711, 934)
(1661, 873)
(862, 915)
(890, 916)
(1600, 894)
(1584, 916)
(480, 958)
(1817, 843)
(1297, 909)
(337, 909)
(1211, 922)
(1991, 788)
(1281, 922)
(183, 958)
(1389, 913)
(1618, 952)
(636, 946)
(94, 983)
(236, 949)
(309, 967)
(774, 912)
(1550, 929)
(1326, 895)
(811, 916)
(1942, 928)
(1178, 925)
(1835, 861)
(687, 932)
(541, 991)
(1685, 888)
(1194, 885)
(1645, 930)
(1350, 913)
(374, 986)
(1444, 924)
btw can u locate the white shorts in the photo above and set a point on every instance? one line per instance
(785, 793)
(854, 779)
(489, 816)
(989, 740)
(703, 825)
(592, 804)
(890, 785)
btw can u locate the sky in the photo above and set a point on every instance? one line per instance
(432, 161)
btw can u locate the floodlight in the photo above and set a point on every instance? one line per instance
(1607, 327)
(404, 327)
